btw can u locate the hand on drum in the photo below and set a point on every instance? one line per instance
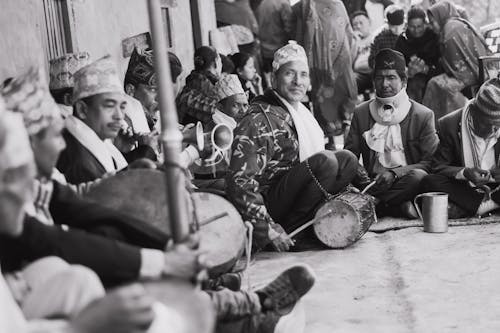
(385, 180)
(123, 310)
(184, 262)
(282, 243)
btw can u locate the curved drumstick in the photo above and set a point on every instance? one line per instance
(369, 186)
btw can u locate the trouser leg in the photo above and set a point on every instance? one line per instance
(403, 189)
(459, 192)
(295, 198)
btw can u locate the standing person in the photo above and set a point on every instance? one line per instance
(197, 100)
(275, 29)
(247, 74)
(395, 136)
(461, 46)
(386, 39)
(466, 163)
(361, 51)
(279, 172)
(420, 46)
(324, 31)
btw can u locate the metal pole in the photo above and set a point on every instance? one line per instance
(170, 136)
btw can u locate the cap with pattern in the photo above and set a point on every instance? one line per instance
(390, 59)
(62, 69)
(228, 85)
(99, 77)
(487, 100)
(29, 95)
(290, 52)
(141, 67)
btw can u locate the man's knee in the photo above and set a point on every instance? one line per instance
(432, 183)
(415, 176)
(325, 160)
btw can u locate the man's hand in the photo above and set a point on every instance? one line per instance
(282, 243)
(385, 180)
(143, 163)
(184, 262)
(124, 310)
(477, 176)
(495, 174)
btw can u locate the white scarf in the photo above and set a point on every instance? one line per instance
(104, 151)
(470, 153)
(384, 138)
(310, 135)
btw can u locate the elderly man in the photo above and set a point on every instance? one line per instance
(279, 172)
(99, 108)
(395, 135)
(466, 163)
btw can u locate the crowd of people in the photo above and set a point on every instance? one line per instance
(73, 265)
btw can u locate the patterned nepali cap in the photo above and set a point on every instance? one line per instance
(228, 85)
(99, 77)
(29, 95)
(290, 52)
(63, 68)
(390, 59)
(141, 67)
(487, 100)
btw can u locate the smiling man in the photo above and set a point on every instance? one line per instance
(395, 135)
(279, 172)
(99, 106)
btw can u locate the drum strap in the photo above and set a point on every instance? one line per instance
(328, 196)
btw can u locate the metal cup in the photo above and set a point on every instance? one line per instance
(434, 211)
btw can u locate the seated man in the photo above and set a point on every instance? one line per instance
(395, 136)
(40, 237)
(233, 102)
(363, 39)
(61, 83)
(466, 161)
(279, 172)
(99, 105)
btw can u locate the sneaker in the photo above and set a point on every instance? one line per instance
(283, 292)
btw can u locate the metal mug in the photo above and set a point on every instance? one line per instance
(434, 211)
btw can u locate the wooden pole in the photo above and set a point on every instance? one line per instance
(170, 136)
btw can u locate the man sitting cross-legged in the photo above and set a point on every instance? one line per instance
(395, 136)
(466, 163)
(279, 172)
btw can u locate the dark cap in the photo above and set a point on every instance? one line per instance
(396, 17)
(390, 59)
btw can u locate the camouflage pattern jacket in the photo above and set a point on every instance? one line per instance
(265, 147)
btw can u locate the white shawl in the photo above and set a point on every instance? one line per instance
(310, 135)
(104, 151)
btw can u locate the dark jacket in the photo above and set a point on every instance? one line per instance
(265, 147)
(115, 262)
(417, 131)
(79, 165)
(448, 159)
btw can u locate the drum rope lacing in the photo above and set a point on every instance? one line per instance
(328, 196)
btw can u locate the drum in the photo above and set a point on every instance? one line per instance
(141, 194)
(343, 220)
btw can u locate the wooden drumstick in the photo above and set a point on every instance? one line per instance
(308, 224)
(368, 187)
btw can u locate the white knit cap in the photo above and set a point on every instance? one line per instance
(290, 52)
(228, 85)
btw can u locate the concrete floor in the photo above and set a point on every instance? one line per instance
(401, 281)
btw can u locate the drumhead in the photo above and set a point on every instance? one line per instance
(338, 224)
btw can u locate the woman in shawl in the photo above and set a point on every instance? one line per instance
(324, 30)
(461, 45)
(420, 46)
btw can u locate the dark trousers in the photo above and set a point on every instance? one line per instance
(403, 189)
(294, 199)
(459, 192)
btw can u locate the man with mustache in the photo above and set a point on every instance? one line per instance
(279, 172)
(99, 103)
(395, 135)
